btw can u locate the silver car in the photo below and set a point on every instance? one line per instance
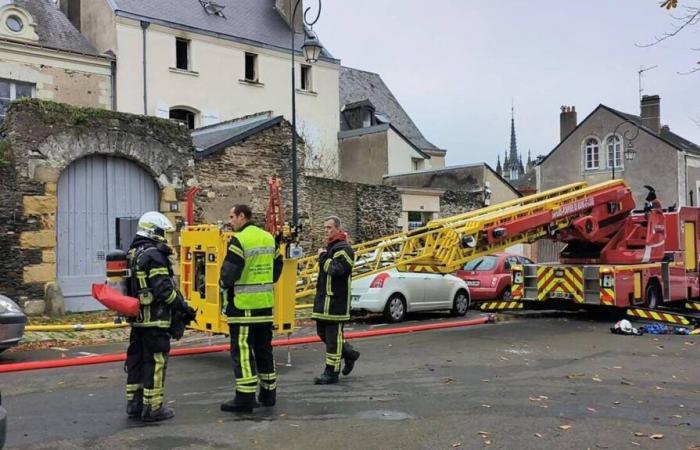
(12, 322)
(395, 294)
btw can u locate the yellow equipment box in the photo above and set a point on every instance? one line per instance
(202, 252)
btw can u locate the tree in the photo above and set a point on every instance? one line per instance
(688, 18)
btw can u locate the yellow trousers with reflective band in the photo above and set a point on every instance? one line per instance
(252, 358)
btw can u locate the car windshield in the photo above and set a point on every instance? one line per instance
(482, 264)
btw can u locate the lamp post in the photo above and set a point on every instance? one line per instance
(312, 50)
(629, 152)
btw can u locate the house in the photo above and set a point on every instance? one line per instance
(424, 192)
(642, 151)
(202, 62)
(42, 55)
(377, 137)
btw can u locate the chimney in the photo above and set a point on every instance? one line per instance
(567, 121)
(286, 8)
(651, 112)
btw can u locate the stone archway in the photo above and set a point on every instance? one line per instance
(43, 140)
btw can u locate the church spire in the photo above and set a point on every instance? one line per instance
(498, 165)
(513, 143)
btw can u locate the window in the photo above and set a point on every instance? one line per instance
(482, 264)
(524, 260)
(305, 77)
(14, 23)
(251, 67)
(182, 54)
(592, 159)
(415, 219)
(614, 151)
(10, 90)
(416, 163)
(184, 116)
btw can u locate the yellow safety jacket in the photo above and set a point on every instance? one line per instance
(254, 290)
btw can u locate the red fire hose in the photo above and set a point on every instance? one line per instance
(117, 357)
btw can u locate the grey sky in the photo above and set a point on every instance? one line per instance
(455, 65)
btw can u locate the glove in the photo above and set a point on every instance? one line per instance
(182, 315)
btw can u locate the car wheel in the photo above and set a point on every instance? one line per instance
(460, 304)
(395, 309)
(652, 296)
(506, 294)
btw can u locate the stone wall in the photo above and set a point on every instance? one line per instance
(458, 202)
(42, 139)
(238, 174)
(367, 211)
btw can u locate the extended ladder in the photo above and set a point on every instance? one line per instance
(444, 245)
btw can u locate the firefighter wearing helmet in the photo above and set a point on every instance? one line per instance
(152, 283)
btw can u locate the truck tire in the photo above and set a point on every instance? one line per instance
(652, 295)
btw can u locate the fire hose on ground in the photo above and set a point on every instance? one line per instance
(118, 357)
(101, 326)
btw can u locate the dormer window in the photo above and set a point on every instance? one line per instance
(14, 23)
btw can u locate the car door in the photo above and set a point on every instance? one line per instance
(412, 286)
(438, 289)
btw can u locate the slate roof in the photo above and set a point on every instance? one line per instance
(213, 138)
(253, 21)
(54, 29)
(358, 85)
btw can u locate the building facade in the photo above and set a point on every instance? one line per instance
(642, 151)
(204, 62)
(43, 56)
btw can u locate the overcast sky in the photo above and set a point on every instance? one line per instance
(455, 65)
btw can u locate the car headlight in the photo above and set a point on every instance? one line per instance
(7, 305)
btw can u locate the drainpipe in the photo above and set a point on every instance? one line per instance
(113, 70)
(144, 26)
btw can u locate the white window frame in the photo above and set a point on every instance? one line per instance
(619, 160)
(594, 151)
(13, 92)
(256, 67)
(309, 78)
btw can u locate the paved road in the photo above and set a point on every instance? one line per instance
(541, 382)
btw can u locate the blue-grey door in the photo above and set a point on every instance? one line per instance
(92, 193)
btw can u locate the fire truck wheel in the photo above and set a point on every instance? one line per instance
(652, 295)
(395, 309)
(506, 295)
(460, 304)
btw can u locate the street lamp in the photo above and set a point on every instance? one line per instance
(312, 50)
(629, 153)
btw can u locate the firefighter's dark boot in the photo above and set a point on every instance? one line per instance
(156, 415)
(241, 404)
(327, 377)
(267, 398)
(134, 407)
(350, 362)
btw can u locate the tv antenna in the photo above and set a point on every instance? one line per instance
(640, 72)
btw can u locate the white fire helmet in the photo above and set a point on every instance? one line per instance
(154, 225)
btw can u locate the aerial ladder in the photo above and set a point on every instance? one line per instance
(596, 223)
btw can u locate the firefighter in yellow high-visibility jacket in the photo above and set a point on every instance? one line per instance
(253, 264)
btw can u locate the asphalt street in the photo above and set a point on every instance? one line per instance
(545, 381)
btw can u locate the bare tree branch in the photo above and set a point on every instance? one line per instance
(692, 17)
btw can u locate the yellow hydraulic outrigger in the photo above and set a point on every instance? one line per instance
(442, 246)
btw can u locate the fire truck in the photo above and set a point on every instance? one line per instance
(614, 256)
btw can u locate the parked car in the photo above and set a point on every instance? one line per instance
(12, 322)
(488, 277)
(396, 294)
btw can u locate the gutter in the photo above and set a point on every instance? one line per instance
(144, 26)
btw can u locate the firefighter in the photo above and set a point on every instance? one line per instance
(332, 302)
(253, 264)
(149, 343)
